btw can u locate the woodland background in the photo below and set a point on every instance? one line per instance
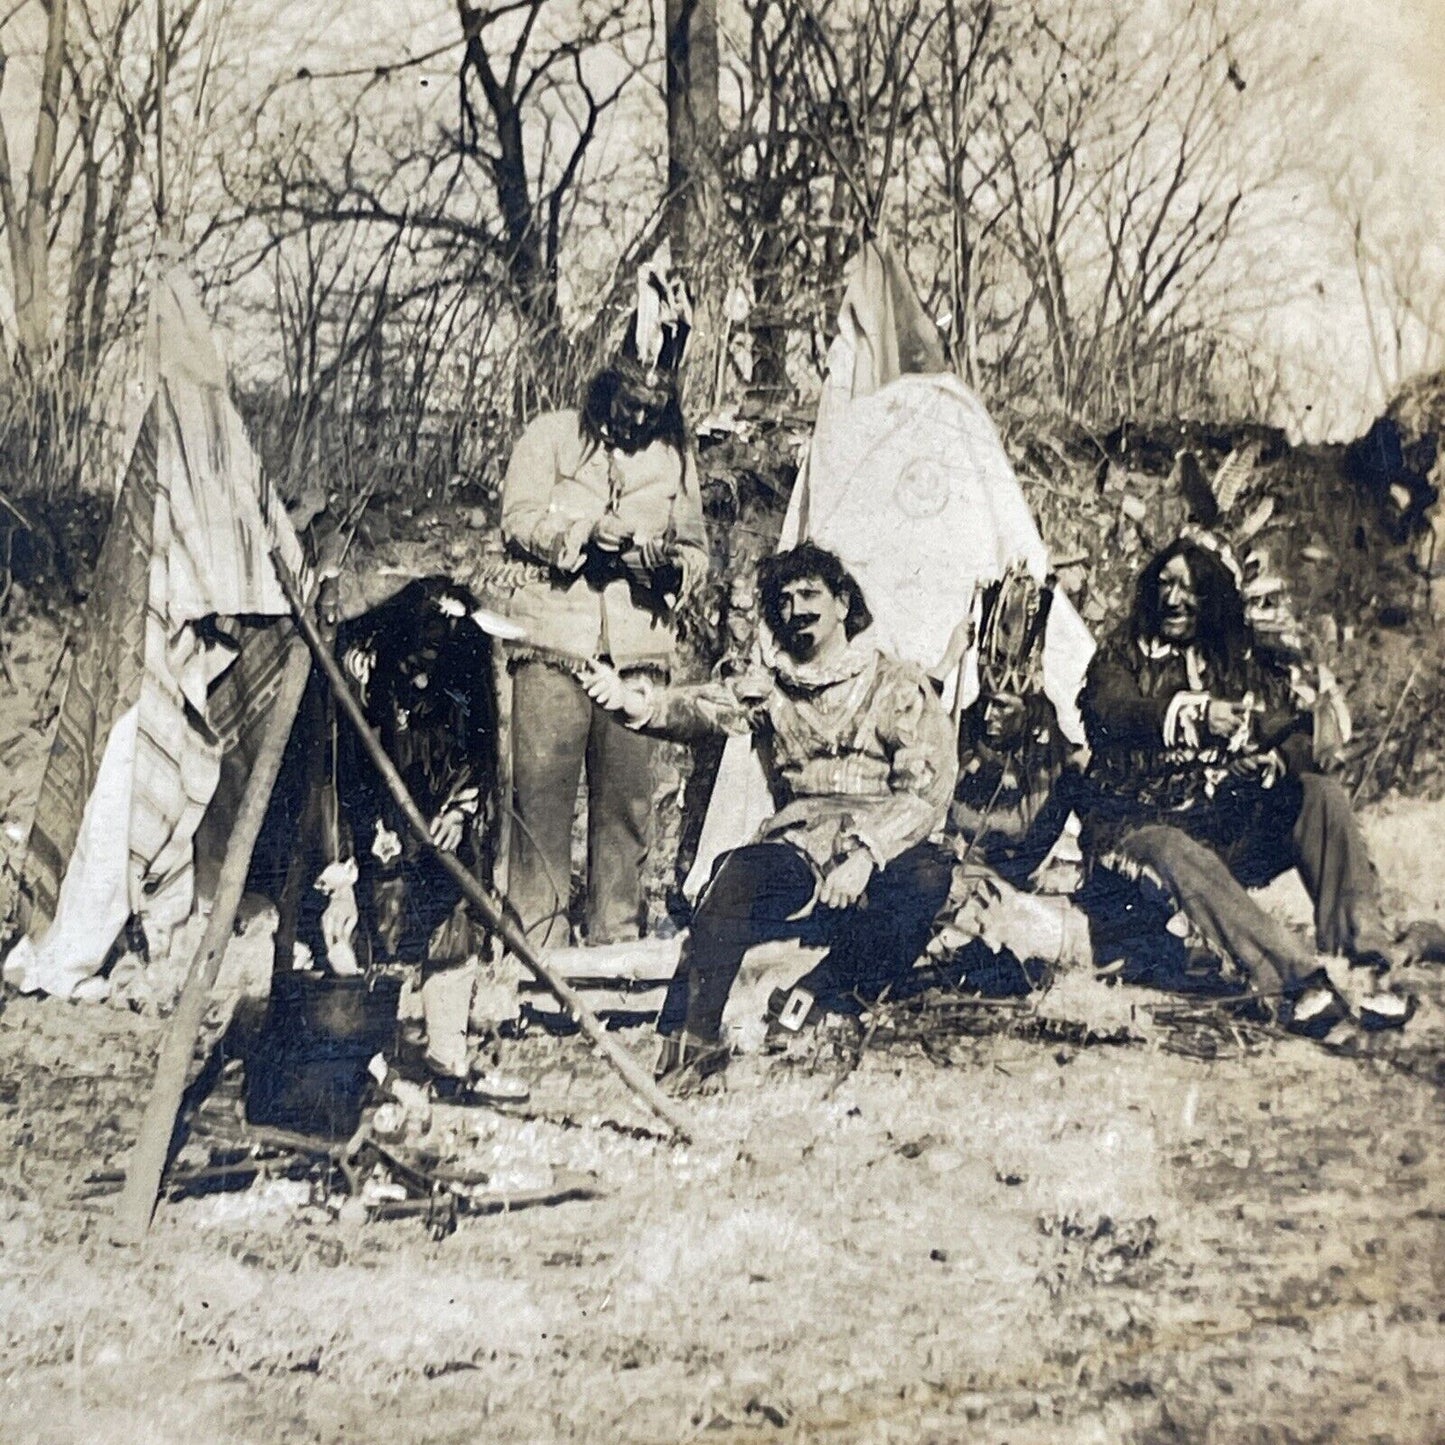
(1183, 222)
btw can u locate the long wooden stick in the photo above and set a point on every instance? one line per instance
(152, 1147)
(490, 909)
(1385, 736)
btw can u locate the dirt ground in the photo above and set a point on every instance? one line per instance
(1003, 1233)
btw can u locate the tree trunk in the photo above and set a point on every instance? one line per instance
(694, 181)
(769, 326)
(534, 288)
(30, 247)
(694, 130)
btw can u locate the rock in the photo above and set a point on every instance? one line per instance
(944, 1160)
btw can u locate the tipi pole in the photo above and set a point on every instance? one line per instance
(152, 1147)
(488, 907)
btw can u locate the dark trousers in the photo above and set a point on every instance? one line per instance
(764, 891)
(1308, 825)
(405, 904)
(556, 733)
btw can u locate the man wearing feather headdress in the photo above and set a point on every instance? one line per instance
(1014, 793)
(1204, 782)
(604, 501)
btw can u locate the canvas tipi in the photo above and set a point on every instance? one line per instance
(177, 661)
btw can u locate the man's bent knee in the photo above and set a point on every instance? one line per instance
(1157, 845)
(1326, 795)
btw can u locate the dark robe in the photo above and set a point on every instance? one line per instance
(430, 699)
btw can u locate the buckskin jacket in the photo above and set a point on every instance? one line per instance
(859, 754)
(575, 604)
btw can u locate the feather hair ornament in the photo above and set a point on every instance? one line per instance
(662, 320)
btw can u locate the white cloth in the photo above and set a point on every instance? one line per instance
(95, 896)
(214, 526)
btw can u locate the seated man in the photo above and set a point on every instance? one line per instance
(1202, 783)
(860, 758)
(1016, 787)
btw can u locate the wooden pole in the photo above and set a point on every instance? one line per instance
(162, 75)
(153, 1145)
(1385, 736)
(633, 1075)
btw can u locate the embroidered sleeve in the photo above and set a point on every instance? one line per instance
(688, 711)
(918, 737)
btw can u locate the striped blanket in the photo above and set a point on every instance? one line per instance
(179, 658)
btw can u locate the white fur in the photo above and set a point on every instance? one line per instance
(338, 922)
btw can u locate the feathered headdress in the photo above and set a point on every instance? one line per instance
(1013, 617)
(655, 344)
(1268, 607)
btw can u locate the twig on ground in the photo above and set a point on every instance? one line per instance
(14, 511)
(873, 1022)
(5, 590)
(50, 681)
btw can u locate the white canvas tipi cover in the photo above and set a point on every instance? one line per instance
(905, 479)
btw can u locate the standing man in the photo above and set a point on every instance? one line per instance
(860, 758)
(605, 501)
(1202, 784)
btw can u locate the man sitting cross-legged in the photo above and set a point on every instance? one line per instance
(860, 758)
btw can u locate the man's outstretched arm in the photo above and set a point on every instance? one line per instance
(684, 712)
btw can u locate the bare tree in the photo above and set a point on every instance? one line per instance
(485, 201)
(74, 217)
(771, 169)
(968, 58)
(694, 125)
(822, 97)
(28, 220)
(512, 76)
(1095, 174)
(1399, 270)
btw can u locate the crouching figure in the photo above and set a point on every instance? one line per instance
(859, 755)
(1202, 784)
(1017, 784)
(422, 666)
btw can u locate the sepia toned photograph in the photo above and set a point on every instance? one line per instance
(722, 721)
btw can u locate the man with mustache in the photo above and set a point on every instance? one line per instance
(1203, 783)
(860, 758)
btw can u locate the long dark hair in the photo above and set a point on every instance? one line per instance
(664, 421)
(1221, 632)
(807, 559)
